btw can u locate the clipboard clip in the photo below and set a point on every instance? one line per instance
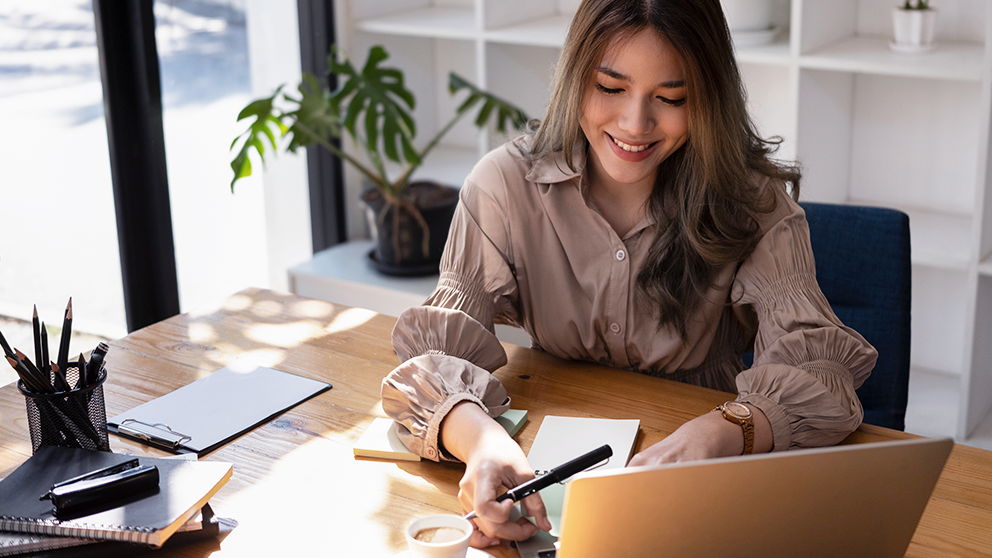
(158, 434)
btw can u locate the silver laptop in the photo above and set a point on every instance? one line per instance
(854, 500)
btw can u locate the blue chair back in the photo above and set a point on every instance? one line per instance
(863, 268)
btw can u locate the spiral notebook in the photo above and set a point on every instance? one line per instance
(203, 526)
(184, 488)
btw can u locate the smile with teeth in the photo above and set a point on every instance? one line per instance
(631, 148)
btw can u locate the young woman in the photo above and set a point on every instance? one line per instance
(643, 226)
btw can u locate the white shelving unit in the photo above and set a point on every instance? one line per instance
(870, 126)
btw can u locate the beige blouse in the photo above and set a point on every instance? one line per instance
(527, 248)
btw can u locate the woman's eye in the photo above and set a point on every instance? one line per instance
(607, 90)
(672, 102)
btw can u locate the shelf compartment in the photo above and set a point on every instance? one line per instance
(962, 61)
(985, 266)
(940, 313)
(442, 23)
(939, 240)
(776, 53)
(543, 32)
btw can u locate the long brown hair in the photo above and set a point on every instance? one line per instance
(703, 197)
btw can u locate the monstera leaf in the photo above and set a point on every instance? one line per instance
(265, 120)
(377, 97)
(374, 106)
(313, 118)
(310, 122)
(505, 112)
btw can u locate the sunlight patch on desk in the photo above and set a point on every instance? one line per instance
(204, 333)
(317, 309)
(349, 319)
(268, 309)
(238, 302)
(231, 303)
(337, 496)
(251, 359)
(284, 335)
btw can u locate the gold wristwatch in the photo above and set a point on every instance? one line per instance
(739, 413)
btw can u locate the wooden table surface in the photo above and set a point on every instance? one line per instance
(297, 487)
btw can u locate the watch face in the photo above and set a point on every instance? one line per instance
(739, 410)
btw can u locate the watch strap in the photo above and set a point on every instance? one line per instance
(746, 423)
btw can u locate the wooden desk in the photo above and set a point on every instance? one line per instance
(297, 488)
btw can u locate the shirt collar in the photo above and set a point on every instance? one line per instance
(550, 168)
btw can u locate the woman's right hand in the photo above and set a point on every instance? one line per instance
(492, 461)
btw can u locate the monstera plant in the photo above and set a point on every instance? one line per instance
(373, 107)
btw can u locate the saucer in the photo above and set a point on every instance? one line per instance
(896, 47)
(472, 553)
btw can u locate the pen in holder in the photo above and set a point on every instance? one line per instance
(76, 418)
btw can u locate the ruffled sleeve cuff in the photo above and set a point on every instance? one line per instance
(419, 393)
(430, 329)
(808, 406)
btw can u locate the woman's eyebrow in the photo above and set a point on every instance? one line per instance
(671, 84)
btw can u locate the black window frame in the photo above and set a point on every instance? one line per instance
(129, 69)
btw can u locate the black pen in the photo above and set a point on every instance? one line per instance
(93, 367)
(557, 474)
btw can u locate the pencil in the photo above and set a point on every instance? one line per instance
(37, 337)
(43, 364)
(28, 372)
(81, 377)
(6, 347)
(58, 378)
(63, 357)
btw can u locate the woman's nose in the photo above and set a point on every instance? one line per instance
(637, 118)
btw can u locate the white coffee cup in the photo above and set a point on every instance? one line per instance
(440, 536)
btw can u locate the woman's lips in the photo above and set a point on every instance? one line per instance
(631, 152)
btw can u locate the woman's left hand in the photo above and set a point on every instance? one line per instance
(706, 436)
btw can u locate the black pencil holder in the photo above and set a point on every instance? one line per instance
(72, 419)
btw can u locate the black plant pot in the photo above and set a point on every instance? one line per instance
(399, 249)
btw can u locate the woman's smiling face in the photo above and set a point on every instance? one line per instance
(633, 109)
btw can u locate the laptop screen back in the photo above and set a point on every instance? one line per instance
(853, 500)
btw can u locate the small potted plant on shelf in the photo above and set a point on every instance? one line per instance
(913, 26)
(408, 220)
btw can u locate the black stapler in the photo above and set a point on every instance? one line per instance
(102, 489)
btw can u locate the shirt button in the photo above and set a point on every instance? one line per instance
(621, 255)
(615, 327)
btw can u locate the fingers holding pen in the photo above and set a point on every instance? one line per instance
(480, 488)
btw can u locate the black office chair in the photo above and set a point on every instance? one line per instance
(863, 268)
